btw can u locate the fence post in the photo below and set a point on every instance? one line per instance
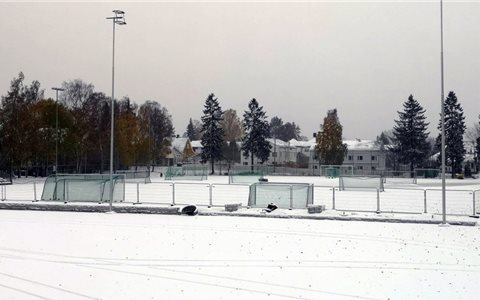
(425, 201)
(474, 212)
(34, 192)
(291, 197)
(173, 194)
(138, 193)
(66, 193)
(210, 195)
(333, 198)
(313, 195)
(378, 201)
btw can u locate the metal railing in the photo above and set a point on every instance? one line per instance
(392, 200)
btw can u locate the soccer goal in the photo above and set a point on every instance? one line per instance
(284, 195)
(398, 177)
(427, 173)
(361, 182)
(187, 172)
(83, 188)
(336, 170)
(137, 176)
(246, 174)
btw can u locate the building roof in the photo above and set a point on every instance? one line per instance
(196, 144)
(179, 143)
(358, 144)
(277, 142)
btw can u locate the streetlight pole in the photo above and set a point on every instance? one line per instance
(56, 127)
(444, 205)
(119, 19)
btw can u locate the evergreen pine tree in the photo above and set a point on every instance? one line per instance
(454, 130)
(257, 130)
(212, 139)
(191, 134)
(329, 149)
(410, 134)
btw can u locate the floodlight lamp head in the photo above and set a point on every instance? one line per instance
(118, 12)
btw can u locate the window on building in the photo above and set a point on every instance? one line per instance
(374, 157)
(359, 167)
(245, 163)
(359, 157)
(373, 168)
(350, 157)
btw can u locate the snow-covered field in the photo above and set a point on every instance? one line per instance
(60, 255)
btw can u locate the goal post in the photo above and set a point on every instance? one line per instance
(83, 188)
(336, 170)
(361, 182)
(246, 174)
(284, 195)
(187, 172)
(136, 175)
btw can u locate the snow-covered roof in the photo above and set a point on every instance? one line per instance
(277, 142)
(179, 143)
(358, 144)
(196, 144)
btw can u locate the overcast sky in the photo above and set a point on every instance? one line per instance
(297, 59)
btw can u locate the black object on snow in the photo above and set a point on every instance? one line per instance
(271, 207)
(190, 210)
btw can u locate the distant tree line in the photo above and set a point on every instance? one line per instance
(28, 131)
(143, 133)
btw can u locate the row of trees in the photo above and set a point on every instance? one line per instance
(220, 131)
(409, 142)
(28, 130)
(28, 133)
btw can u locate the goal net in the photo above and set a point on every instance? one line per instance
(138, 176)
(83, 188)
(186, 172)
(336, 170)
(427, 173)
(246, 174)
(360, 182)
(284, 195)
(398, 177)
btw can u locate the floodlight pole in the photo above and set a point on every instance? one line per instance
(120, 20)
(442, 121)
(56, 127)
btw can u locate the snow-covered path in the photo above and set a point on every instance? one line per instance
(58, 255)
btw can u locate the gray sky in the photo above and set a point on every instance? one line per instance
(297, 59)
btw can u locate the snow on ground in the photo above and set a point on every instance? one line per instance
(59, 255)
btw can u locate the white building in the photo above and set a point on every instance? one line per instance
(365, 156)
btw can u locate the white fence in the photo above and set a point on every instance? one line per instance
(395, 200)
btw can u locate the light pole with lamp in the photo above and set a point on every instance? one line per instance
(118, 19)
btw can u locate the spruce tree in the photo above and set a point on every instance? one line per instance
(454, 130)
(257, 130)
(212, 139)
(191, 134)
(410, 134)
(329, 149)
